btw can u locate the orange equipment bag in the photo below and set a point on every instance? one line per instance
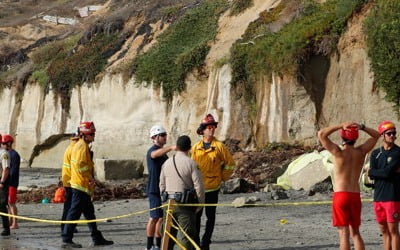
(59, 196)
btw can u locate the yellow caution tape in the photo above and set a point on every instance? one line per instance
(80, 221)
(305, 203)
(175, 239)
(184, 232)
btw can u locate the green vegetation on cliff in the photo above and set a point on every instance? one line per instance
(314, 32)
(43, 56)
(180, 49)
(65, 64)
(238, 6)
(61, 65)
(382, 28)
(70, 69)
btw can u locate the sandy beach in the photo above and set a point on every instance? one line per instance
(294, 225)
(300, 222)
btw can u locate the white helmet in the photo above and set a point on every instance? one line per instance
(156, 129)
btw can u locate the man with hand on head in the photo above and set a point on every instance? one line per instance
(155, 158)
(385, 171)
(349, 160)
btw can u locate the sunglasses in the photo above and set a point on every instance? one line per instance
(163, 134)
(390, 133)
(92, 134)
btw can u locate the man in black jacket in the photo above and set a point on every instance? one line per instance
(384, 169)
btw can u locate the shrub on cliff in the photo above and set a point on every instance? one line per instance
(238, 6)
(382, 28)
(314, 32)
(180, 49)
(44, 55)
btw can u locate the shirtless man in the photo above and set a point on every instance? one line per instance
(349, 160)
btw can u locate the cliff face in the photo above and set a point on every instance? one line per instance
(350, 92)
(285, 110)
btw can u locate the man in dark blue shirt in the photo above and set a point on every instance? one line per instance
(384, 169)
(156, 156)
(13, 178)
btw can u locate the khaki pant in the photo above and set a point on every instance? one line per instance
(186, 218)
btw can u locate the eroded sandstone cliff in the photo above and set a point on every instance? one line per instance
(286, 108)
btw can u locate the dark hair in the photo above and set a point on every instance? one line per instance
(183, 143)
(348, 142)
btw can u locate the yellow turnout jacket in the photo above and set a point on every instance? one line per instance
(66, 167)
(82, 167)
(216, 164)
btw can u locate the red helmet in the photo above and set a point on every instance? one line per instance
(349, 134)
(208, 120)
(6, 138)
(86, 128)
(385, 125)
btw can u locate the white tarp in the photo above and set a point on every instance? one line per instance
(307, 170)
(311, 168)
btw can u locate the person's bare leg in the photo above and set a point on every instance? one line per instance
(383, 226)
(12, 209)
(344, 238)
(157, 232)
(11, 219)
(151, 227)
(394, 235)
(357, 239)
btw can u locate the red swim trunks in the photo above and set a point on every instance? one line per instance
(346, 209)
(387, 211)
(12, 195)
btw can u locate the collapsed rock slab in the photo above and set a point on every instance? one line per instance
(108, 169)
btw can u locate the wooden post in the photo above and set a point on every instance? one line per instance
(168, 223)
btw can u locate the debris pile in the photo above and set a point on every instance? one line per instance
(256, 169)
(103, 192)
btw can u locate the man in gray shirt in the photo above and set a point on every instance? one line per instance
(178, 174)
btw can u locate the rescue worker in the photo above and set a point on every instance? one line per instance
(13, 178)
(4, 171)
(177, 175)
(66, 177)
(155, 157)
(82, 184)
(349, 161)
(216, 165)
(384, 170)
